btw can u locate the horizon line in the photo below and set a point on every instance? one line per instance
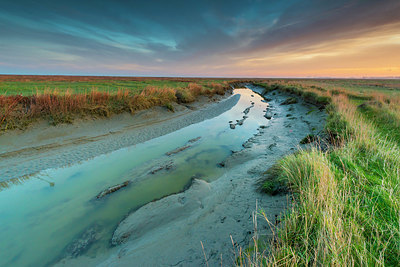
(205, 77)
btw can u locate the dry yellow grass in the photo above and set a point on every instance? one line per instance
(19, 111)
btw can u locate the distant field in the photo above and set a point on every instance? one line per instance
(362, 87)
(29, 85)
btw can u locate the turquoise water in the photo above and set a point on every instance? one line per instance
(43, 215)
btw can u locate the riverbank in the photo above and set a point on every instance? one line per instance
(213, 213)
(346, 198)
(41, 147)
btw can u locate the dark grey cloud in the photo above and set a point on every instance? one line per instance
(310, 22)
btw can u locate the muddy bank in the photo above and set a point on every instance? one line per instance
(169, 231)
(42, 147)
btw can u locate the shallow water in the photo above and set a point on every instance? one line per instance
(43, 216)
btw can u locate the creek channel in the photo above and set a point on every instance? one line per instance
(72, 210)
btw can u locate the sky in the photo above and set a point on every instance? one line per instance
(209, 38)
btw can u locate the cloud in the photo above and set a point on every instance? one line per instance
(178, 37)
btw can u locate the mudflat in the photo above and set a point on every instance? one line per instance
(209, 222)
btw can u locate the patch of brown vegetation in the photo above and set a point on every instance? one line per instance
(19, 111)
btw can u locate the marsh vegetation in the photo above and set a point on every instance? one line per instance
(62, 99)
(345, 208)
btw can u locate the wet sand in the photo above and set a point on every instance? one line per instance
(170, 231)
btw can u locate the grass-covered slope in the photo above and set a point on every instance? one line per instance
(346, 207)
(27, 85)
(61, 99)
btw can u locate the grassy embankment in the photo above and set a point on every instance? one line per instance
(346, 200)
(61, 99)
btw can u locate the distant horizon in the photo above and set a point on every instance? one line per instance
(205, 77)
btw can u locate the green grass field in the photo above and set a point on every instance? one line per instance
(346, 208)
(16, 85)
(355, 86)
(112, 86)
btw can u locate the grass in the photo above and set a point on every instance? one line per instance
(272, 182)
(30, 85)
(363, 87)
(170, 107)
(61, 99)
(346, 203)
